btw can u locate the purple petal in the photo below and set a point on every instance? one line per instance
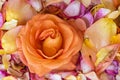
(88, 18)
(113, 68)
(101, 13)
(73, 9)
(82, 10)
(1, 20)
(3, 73)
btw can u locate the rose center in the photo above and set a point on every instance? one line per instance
(51, 45)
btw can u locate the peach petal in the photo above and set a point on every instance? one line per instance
(9, 40)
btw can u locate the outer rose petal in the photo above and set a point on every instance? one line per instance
(30, 44)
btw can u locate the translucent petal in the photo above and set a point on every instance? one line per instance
(10, 24)
(9, 40)
(19, 10)
(101, 32)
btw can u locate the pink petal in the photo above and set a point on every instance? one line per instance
(36, 4)
(1, 20)
(73, 9)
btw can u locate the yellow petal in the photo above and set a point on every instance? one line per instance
(2, 52)
(101, 31)
(96, 8)
(5, 60)
(19, 10)
(101, 55)
(86, 2)
(9, 40)
(10, 14)
(9, 78)
(10, 24)
(114, 14)
(88, 43)
(115, 39)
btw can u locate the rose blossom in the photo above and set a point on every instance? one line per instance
(47, 43)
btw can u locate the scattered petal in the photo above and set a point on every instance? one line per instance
(1, 20)
(9, 40)
(114, 14)
(10, 24)
(115, 39)
(102, 12)
(88, 18)
(67, 1)
(55, 77)
(81, 77)
(1, 3)
(5, 60)
(73, 9)
(49, 2)
(92, 76)
(22, 11)
(85, 67)
(103, 29)
(112, 69)
(9, 78)
(108, 4)
(36, 4)
(86, 2)
(112, 52)
(3, 73)
(71, 77)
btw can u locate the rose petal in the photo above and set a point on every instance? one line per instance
(9, 25)
(48, 2)
(9, 78)
(65, 74)
(70, 77)
(81, 77)
(82, 10)
(112, 69)
(88, 18)
(114, 14)
(5, 60)
(3, 73)
(36, 4)
(1, 3)
(103, 29)
(115, 39)
(92, 76)
(68, 1)
(9, 40)
(22, 11)
(101, 13)
(104, 63)
(85, 67)
(88, 54)
(96, 1)
(117, 77)
(73, 9)
(110, 2)
(86, 2)
(55, 77)
(1, 20)
(116, 3)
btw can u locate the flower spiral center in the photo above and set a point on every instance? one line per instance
(52, 43)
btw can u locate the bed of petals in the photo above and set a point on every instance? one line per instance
(59, 40)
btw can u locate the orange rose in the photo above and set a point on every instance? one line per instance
(48, 43)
